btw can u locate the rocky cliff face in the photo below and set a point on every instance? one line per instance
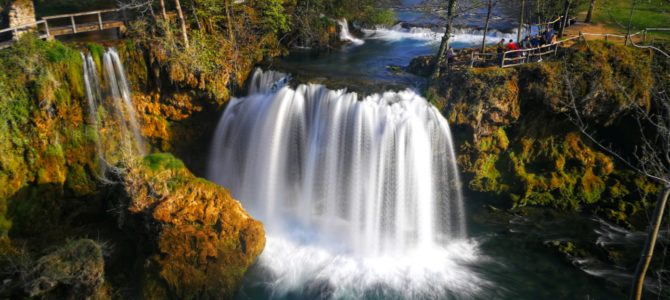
(199, 237)
(518, 142)
(157, 230)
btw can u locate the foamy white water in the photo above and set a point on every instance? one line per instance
(115, 98)
(119, 90)
(345, 35)
(460, 35)
(354, 192)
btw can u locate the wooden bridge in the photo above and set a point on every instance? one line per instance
(59, 25)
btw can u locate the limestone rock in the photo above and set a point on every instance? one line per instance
(76, 270)
(199, 236)
(21, 12)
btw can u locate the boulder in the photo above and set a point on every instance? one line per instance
(199, 237)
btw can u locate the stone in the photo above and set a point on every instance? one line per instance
(21, 12)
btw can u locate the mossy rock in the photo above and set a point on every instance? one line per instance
(74, 271)
(200, 238)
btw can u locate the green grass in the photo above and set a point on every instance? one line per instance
(647, 14)
(158, 161)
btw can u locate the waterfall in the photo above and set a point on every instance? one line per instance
(93, 99)
(325, 170)
(345, 35)
(119, 91)
(264, 82)
(111, 93)
(466, 36)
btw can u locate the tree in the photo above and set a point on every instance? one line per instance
(651, 157)
(489, 9)
(630, 21)
(163, 11)
(521, 14)
(182, 22)
(589, 14)
(566, 17)
(444, 44)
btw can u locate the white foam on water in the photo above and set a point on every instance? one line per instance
(354, 193)
(460, 35)
(345, 35)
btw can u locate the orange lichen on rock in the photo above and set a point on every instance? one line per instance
(205, 240)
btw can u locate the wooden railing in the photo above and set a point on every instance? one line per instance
(519, 57)
(99, 14)
(46, 29)
(25, 27)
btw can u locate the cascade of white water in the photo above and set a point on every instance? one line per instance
(345, 35)
(118, 89)
(380, 171)
(93, 98)
(358, 193)
(470, 36)
(264, 82)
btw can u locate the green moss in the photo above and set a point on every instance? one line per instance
(158, 161)
(568, 248)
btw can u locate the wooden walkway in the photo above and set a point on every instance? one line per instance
(514, 58)
(59, 25)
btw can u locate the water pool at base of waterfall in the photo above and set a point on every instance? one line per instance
(497, 261)
(344, 186)
(288, 154)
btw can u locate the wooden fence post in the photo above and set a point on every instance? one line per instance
(502, 61)
(100, 20)
(46, 27)
(74, 26)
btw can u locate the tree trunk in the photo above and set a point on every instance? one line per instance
(630, 21)
(566, 16)
(521, 14)
(195, 15)
(444, 45)
(649, 245)
(229, 21)
(589, 14)
(182, 22)
(486, 24)
(163, 11)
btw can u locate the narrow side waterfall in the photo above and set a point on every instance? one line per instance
(93, 98)
(369, 182)
(110, 108)
(345, 35)
(119, 91)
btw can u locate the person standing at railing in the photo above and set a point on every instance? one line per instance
(549, 35)
(511, 46)
(500, 49)
(526, 43)
(451, 55)
(535, 41)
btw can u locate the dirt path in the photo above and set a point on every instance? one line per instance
(575, 29)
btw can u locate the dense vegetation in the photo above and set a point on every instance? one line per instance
(519, 142)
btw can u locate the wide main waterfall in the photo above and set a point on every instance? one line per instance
(366, 188)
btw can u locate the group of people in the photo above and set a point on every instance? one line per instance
(546, 37)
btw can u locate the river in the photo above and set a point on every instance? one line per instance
(349, 195)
